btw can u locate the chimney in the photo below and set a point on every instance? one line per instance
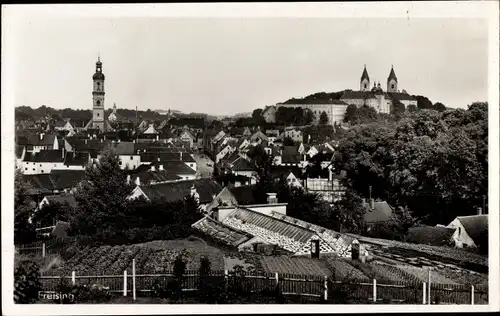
(271, 198)
(128, 179)
(180, 154)
(62, 150)
(479, 211)
(372, 204)
(137, 181)
(153, 168)
(41, 136)
(160, 168)
(157, 137)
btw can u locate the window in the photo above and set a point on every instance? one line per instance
(33, 169)
(365, 86)
(25, 168)
(392, 86)
(67, 166)
(98, 102)
(55, 166)
(42, 171)
(97, 114)
(131, 157)
(459, 231)
(120, 163)
(40, 165)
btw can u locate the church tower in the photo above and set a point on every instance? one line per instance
(392, 81)
(98, 97)
(364, 84)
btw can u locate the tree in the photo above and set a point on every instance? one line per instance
(423, 103)
(24, 231)
(27, 284)
(350, 113)
(308, 117)
(348, 213)
(49, 214)
(262, 163)
(412, 108)
(101, 195)
(398, 108)
(438, 106)
(323, 118)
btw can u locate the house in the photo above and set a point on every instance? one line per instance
(75, 161)
(258, 137)
(150, 133)
(35, 143)
(294, 134)
(152, 174)
(65, 200)
(431, 235)
(228, 149)
(330, 189)
(179, 169)
(470, 230)
(269, 114)
(187, 137)
(126, 151)
(243, 167)
(288, 156)
(64, 125)
(204, 189)
(59, 230)
(42, 161)
(55, 182)
(290, 174)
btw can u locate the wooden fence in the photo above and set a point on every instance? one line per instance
(314, 287)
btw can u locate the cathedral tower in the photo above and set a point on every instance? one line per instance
(392, 81)
(364, 84)
(98, 97)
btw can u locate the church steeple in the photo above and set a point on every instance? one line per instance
(98, 97)
(364, 84)
(392, 81)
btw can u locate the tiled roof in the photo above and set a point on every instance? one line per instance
(284, 171)
(401, 96)
(221, 232)
(174, 191)
(124, 148)
(241, 164)
(34, 139)
(269, 229)
(382, 212)
(474, 225)
(66, 178)
(45, 156)
(148, 176)
(177, 168)
(62, 198)
(350, 94)
(77, 159)
(430, 235)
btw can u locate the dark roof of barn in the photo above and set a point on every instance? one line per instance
(244, 194)
(77, 158)
(221, 232)
(241, 164)
(382, 212)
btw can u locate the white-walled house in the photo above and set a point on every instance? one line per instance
(227, 150)
(469, 229)
(42, 162)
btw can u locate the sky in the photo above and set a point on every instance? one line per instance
(223, 66)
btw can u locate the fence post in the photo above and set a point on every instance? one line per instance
(73, 277)
(374, 290)
(424, 294)
(133, 278)
(125, 283)
(43, 249)
(472, 295)
(276, 278)
(326, 288)
(429, 288)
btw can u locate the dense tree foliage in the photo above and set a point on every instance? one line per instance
(433, 162)
(49, 214)
(286, 116)
(364, 114)
(323, 118)
(24, 231)
(317, 98)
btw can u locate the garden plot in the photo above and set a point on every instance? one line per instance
(290, 265)
(151, 258)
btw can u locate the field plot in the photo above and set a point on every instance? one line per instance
(342, 270)
(422, 274)
(151, 258)
(305, 266)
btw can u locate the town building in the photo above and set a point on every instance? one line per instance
(98, 120)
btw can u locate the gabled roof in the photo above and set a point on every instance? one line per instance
(221, 232)
(269, 229)
(399, 96)
(124, 148)
(147, 176)
(284, 171)
(63, 179)
(350, 94)
(45, 156)
(241, 164)
(178, 168)
(36, 140)
(178, 190)
(430, 235)
(76, 158)
(474, 225)
(62, 198)
(150, 130)
(382, 212)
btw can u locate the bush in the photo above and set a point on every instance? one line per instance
(27, 283)
(82, 293)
